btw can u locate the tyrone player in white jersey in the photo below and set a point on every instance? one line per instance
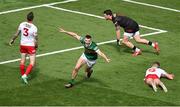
(28, 44)
(154, 74)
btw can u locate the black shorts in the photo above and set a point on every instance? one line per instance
(132, 28)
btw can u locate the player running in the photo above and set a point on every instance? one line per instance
(131, 29)
(88, 58)
(28, 44)
(153, 76)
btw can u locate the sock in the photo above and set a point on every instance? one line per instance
(22, 67)
(134, 48)
(24, 75)
(118, 40)
(72, 81)
(151, 44)
(28, 70)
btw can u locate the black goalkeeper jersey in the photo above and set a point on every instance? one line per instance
(129, 25)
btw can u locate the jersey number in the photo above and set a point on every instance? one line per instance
(152, 70)
(26, 32)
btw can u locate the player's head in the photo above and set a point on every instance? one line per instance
(88, 39)
(108, 15)
(156, 64)
(30, 16)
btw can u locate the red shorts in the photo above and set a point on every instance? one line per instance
(27, 49)
(153, 76)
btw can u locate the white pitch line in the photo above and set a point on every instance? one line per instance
(96, 16)
(32, 7)
(75, 48)
(151, 5)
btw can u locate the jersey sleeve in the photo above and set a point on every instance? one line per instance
(82, 39)
(35, 31)
(163, 72)
(96, 49)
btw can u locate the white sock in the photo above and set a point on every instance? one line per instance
(24, 76)
(153, 44)
(137, 49)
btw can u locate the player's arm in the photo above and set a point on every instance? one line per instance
(118, 34)
(76, 36)
(169, 76)
(14, 37)
(103, 55)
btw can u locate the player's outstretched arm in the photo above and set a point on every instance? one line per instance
(169, 76)
(14, 37)
(70, 33)
(103, 55)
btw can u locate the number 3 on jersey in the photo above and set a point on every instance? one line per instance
(25, 33)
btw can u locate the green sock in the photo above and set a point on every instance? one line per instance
(72, 81)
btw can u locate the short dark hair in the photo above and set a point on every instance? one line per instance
(30, 16)
(88, 37)
(156, 62)
(108, 12)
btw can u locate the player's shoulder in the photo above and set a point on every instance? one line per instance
(34, 26)
(94, 43)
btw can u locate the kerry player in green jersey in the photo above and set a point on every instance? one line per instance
(88, 58)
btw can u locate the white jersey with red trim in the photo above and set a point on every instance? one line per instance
(28, 33)
(158, 71)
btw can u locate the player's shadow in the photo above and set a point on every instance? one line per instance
(34, 73)
(121, 48)
(91, 80)
(115, 46)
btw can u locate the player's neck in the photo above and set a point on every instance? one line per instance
(29, 21)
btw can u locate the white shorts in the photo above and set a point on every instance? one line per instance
(90, 63)
(130, 35)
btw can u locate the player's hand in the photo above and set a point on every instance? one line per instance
(61, 30)
(108, 60)
(11, 42)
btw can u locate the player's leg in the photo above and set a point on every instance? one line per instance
(32, 63)
(126, 41)
(32, 55)
(29, 68)
(150, 82)
(145, 41)
(89, 67)
(79, 64)
(158, 82)
(22, 63)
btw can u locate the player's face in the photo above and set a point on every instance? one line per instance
(107, 17)
(87, 41)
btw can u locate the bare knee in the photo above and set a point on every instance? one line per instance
(22, 62)
(125, 41)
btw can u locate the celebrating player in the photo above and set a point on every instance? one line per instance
(28, 44)
(131, 29)
(153, 76)
(88, 58)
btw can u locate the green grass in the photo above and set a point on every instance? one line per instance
(117, 83)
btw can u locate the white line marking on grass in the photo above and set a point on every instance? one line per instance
(32, 7)
(75, 48)
(151, 5)
(96, 16)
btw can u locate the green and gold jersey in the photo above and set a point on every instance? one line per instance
(90, 51)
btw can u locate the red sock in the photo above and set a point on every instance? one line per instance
(28, 70)
(22, 67)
